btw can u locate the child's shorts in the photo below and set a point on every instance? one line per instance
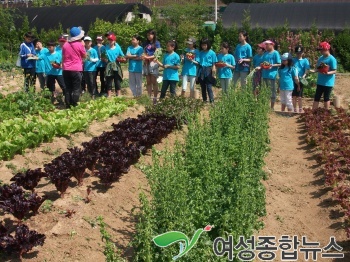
(150, 68)
(295, 90)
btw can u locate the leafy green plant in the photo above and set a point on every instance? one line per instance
(214, 177)
(46, 207)
(18, 134)
(110, 251)
(180, 107)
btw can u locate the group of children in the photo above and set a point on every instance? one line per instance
(200, 65)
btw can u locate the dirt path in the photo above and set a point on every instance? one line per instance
(297, 201)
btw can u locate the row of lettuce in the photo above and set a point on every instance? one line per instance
(329, 132)
(30, 130)
(107, 156)
(213, 178)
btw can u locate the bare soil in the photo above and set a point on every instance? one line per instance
(297, 201)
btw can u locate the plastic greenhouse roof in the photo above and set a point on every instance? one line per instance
(82, 15)
(334, 16)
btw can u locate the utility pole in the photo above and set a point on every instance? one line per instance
(216, 11)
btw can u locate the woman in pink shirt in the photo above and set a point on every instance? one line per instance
(73, 53)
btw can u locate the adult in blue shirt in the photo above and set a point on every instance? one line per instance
(28, 55)
(243, 55)
(325, 78)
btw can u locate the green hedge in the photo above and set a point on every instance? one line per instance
(180, 23)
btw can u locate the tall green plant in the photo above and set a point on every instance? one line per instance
(213, 178)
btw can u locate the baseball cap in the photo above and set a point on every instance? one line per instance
(299, 49)
(99, 37)
(87, 38)
(324, 46)
(286, 56)
(63, 38)
(112, 37)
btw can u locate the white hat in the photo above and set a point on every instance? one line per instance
(87, 38)
(76, 34)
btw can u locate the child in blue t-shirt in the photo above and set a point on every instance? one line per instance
(171, 65)
(325, 78)
(150, 67)
(243, 54)
(100, 65)
(303, 67)
(257, 60)
(40, 63)
(134, 54)
(288, 76)
(207, 70)
(53, 69)
(269, 75)
(113, 51)
(190, 60)
(225, 73)
(90, 65)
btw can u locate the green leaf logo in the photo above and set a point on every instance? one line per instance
(172, 237)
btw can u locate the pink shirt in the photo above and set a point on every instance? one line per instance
(72, 54)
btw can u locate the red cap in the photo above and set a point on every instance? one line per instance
(324, 46)
(62, 39)
(112, 37)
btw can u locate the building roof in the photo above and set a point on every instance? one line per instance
(298, 15)
(82, 15)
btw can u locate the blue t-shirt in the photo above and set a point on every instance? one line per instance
(323, 79)
(226, 72)
(113, 54)
(24, 50)
(273, 58)
(135, 66)
(100, 50)
(55, 57)
(302, 65)
(257, 60)
(88, 65)
(242, 52)
(40, 63)
(151, 48)
(58, 48)
(189, 68)
(171, 60)
(287, 76)
(207, 58)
